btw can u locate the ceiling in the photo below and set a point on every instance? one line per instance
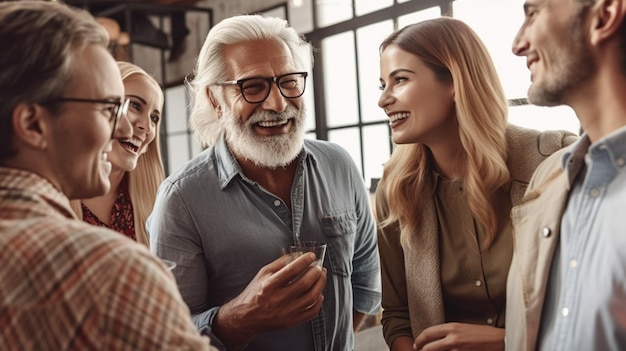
(87, 3)
(130, 21)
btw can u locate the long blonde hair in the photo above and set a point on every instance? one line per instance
(144, 180)
(454, 52)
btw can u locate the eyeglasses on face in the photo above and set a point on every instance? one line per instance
(256, 90)
(118, 108)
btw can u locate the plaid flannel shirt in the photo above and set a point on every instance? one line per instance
(67, 285)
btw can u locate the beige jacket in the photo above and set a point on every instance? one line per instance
(536, 229)
(418, 256)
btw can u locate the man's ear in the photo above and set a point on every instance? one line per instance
(608, 17)
(30, 125)
(214, 103)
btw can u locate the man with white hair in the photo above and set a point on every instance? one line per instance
(224, 217)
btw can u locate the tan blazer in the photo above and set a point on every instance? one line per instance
(419, 255)
(536, 228)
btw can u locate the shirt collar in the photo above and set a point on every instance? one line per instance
(227, 165)
(614, 144)
(574, 158)
(34, 185)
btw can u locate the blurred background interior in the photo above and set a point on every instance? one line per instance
(165, 36)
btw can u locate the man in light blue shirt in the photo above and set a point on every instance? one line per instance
(260, 186)
(567, 283)
(592, 253)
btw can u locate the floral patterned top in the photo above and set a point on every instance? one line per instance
(121, 214)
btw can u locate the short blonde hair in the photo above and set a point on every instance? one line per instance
(39, 42)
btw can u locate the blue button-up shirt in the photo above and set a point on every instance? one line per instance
(585, 307)
(221, 228)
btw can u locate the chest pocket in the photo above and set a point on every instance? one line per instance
(340, 230)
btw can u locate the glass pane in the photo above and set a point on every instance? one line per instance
(301, 15)
(431, 12)
(349, 139)
(544, 118)
(176, 109)
(279, 11)
(178, 151)
(368, 40)
(366, 6)
(333, 11)
(498, 32)
(340, 79)
(376, 141)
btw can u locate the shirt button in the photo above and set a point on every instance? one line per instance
(565, 311)
(546, 232)
(573, 263)
(478, 283)
(620, 162)
(489, 321)
(276, 203)
(594, 192)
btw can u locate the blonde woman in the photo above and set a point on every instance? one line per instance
(137, 165)
(444, 200)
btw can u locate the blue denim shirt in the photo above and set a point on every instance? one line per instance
(585, 305)
(221, 228)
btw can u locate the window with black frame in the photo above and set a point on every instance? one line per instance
(347, 34)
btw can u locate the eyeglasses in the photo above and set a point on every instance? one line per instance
(256, 90)
(118, 108)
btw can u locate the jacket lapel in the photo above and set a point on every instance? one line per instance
(537, 224)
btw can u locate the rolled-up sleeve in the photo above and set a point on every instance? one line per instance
(366, 281)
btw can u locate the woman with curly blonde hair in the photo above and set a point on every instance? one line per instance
(137, 165)
(444, 200)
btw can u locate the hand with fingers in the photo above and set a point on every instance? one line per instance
(460, 337)
(283, 293)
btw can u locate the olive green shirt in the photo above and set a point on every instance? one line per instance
(473, 279)
(411, 267)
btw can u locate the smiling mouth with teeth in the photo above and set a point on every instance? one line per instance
(132, 145)
(398, 116)
(270, 124)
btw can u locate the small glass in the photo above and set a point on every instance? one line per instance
(168, 264)
(302, 247)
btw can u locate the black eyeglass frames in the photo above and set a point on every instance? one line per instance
(119, 107)
(256, 90)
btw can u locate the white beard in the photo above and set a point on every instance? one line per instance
(265, 151)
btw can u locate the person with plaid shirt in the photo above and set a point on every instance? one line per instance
(65, 284)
